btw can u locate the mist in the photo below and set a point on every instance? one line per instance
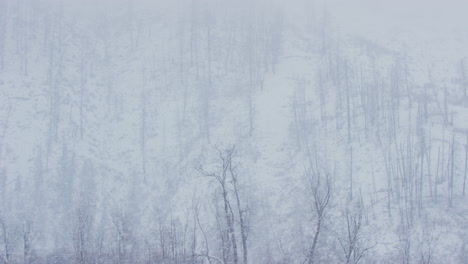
(233, 132)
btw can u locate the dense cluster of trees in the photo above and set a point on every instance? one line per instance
(115, 133)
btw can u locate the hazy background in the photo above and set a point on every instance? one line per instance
(234, 132)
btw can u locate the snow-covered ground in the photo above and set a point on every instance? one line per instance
(116, 118)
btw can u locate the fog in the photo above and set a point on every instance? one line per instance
(401, 19)
(233, 132)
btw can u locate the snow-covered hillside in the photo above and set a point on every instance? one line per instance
(234, 132)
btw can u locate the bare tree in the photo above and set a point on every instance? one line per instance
(428, 246)
(228, 174)
(122, 236)
(82, 234)
(241, 210)
(6, 240)
(466, 165)
(353, 244)
(83, 219)
(405, 246)
(320, 187)
(29, 234)
(463, 76)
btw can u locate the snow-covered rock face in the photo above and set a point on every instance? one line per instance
(253, 131)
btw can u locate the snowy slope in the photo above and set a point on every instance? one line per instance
(115, 118)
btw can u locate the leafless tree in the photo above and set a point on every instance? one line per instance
(354, 244)
(6, 240)
(405, 245)
(241, 209)
(227, 179)
(29, 235)
(320, 187)
(122, 236)
(82, 234)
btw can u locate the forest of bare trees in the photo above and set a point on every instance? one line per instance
(227, 132)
